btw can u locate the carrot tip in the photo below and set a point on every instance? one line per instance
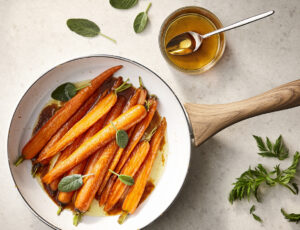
(19, 160)
(60, 209)
(122, 217)
(77, 218)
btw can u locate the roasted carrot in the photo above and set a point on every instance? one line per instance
(136, 191)
(105, 135)
(91, 185)
(136, 136)
(131, 167)
(138, 97)
(69, 124)
(40, 139)
(98, 111)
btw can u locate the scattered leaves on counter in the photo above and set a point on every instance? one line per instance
(249, 181)
(86, 28)
(141, 20)
(268, 149)
(292, 217)
(128, 180)
(123, 4)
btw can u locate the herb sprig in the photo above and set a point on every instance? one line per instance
(292, 217)
(66, 91)
(269, 149)
(72, 182)
(128, 180)
(249, 181)
(256, 217)
(141, 20)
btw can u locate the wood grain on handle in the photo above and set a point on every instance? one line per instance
(207, 120)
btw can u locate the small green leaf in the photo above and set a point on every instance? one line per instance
(141, 20)
(257, 218)
(128, 180)
(292, 217)
(70, 183)
(122, 4)
(252, 209)
(83, 27)
(122, 138)
(64, 92)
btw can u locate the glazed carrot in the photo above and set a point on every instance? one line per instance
(98, 111)
(65, 128)
(131, 167)
(122, 155)
(136, 191)
(138, 97)
(105, 135)
(91, 185)
(64, 155)
(40, 139)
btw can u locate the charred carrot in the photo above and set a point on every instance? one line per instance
(124, 121)
(40, 139)
(136, 191)
(131, 167)
(99, 110)
(122, 155)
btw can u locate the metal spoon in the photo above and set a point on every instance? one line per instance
(190, 41)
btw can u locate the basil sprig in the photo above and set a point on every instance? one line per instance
(66, 91)
(141, 20)
(123, 4)
(128, 180)
(86, 28)
(121, 137)
(71, 183)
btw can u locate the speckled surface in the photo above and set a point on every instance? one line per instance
(258, 57)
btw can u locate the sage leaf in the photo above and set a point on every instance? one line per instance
(123, 4)
(128, 180)
(141, 20)
(70, 183)
(64, 92)
(122, 138)
(83, 27)
(86, 28)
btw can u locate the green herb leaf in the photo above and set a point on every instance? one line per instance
(71, 183)
(141, 20)
(86, 28)
(121, 137)
(292, 217)
(252, 209)
(249, 181)
(277, 150)
(122, 4)
(128, 180)
(83, 27)
(64, 92)
(257, 218)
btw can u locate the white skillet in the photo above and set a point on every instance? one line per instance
(206, 120)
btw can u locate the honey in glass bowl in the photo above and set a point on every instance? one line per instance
(199, 20)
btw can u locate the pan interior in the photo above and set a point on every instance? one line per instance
(178, 139)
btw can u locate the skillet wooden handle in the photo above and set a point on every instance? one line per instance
(207, 120)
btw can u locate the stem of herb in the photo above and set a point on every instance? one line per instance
(141, 83)
(83, 86)
(114, 126)
(19, 160)
(90, 174)
(35, 168)
(76, 218)
(59, 210)
(113, 40)
(123, 87)
(148, 7)
(122, 217)
(113, 172)
(149, 135)
(292, 190)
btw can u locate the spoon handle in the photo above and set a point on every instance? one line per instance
(240, 23)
